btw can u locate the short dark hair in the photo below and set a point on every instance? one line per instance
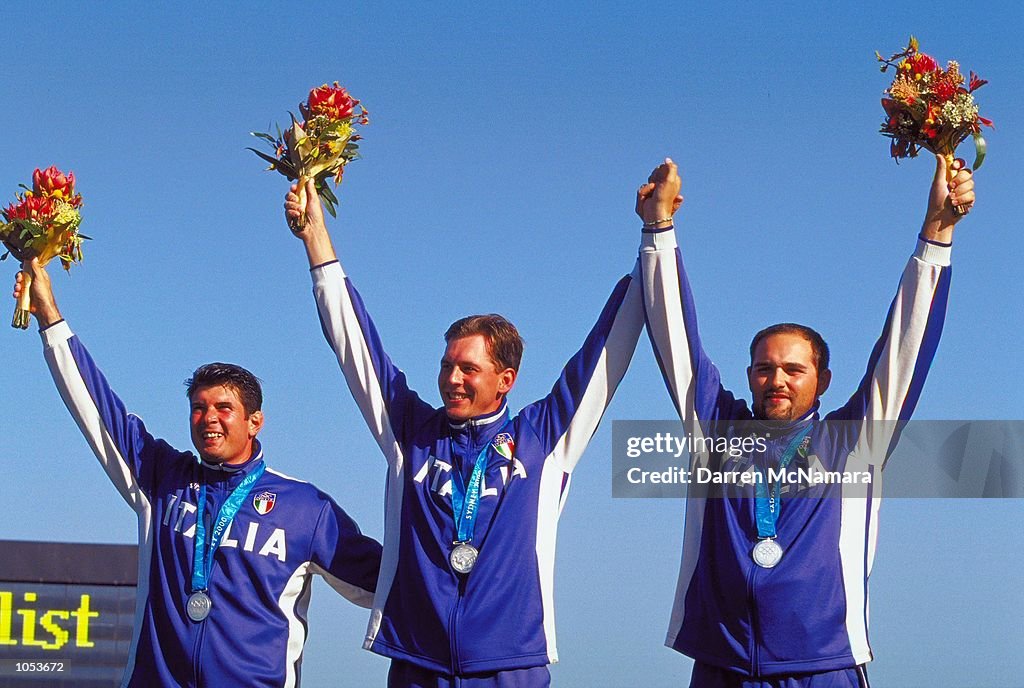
(504, 344)
(230, 375)
(818, 346)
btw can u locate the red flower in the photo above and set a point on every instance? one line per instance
(944, 90)
(922, 64)
(333, 102)
(32, 208)
(54, 183)
(975, 82)
(930, 126)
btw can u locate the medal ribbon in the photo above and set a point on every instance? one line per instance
(766, 507)
(202, 562)
(465, 498)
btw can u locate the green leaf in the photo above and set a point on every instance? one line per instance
(980, 149)
(266, 137)
(83, 236)
(281, 166)
(272, 160)
(328, 195)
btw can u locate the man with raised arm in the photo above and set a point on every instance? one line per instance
(772, 589)
(222, 599)
(474, 493)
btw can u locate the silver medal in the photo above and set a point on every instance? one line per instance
(463, 557)
(767, 553)
(198, 606)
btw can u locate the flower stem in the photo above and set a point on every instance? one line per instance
(22, 315)
(957, 209)
(299, 223)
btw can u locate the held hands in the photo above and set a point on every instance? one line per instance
(44, 306)
(944, 195)
(658, 200)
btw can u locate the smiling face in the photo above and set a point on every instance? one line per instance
(470, 382)
(784, 380)
(222, 431)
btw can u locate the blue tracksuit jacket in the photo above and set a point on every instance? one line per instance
(501, 615)
(810, 612)
(286, 531)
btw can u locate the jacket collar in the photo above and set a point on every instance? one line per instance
(475, 431)
(238, 468)
(480, 422)
(789, 426)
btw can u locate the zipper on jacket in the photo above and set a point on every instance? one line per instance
(453, 623)
(755, 630)
(197, 651)
(215, 499)
(771, 457)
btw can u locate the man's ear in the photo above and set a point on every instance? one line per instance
(255, 423)
(506, 379)
(824, 379)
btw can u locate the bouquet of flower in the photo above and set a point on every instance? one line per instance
(43, 224)
(929, 107)
(319, 147)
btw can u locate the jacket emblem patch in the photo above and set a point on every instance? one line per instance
(505, 445)
(264, 502)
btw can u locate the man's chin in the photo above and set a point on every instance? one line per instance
(456, 414)
(211, 459)
(777, 414)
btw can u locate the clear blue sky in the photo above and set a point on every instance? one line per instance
(499, 174)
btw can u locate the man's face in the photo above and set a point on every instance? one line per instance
(470, 383)
(222, 432)
(784, 381)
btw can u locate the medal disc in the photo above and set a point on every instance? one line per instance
(767, 553)
(463, 557)
(199, 605)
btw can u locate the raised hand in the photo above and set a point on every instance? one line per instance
(309, 203)
(313, 232)
(43, 305)
(952, 187)
(658, 200)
